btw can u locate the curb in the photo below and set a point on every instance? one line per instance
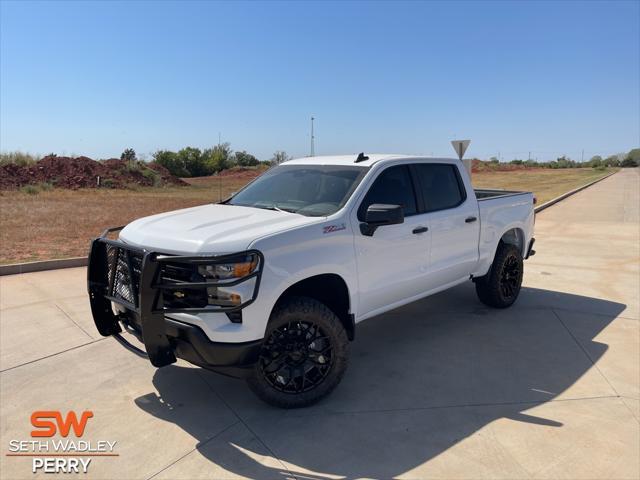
(41, 266)
(16, 268)
(568, 194)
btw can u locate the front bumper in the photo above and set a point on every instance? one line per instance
(130, 278)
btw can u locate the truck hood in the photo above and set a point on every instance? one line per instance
(209, 229)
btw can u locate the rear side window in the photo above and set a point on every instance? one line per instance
(441, 186)
(393, 187)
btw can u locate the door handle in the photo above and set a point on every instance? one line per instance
(420, 230)
(470, 219)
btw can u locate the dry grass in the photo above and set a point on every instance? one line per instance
(60, 223)
(544, 183)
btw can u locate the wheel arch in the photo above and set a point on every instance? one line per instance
(328, 288)
(513, 236)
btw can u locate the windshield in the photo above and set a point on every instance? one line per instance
(311, 190)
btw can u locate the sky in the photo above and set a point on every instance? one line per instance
(93, 78)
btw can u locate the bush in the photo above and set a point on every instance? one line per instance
(632, 159)
(612, 161)
(279, 157)
(217, 158)
(153, 175)
(30, 189)
(244, 159)
(193, 162)
(171, 162)
(129, 155)
(19, 158)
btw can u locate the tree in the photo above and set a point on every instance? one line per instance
(244, 159)
(193, 161)
(611, 161)
(217, 158)
(632, 159)
(279, 157)
(171, 162)
(595, 162)
(129, 155)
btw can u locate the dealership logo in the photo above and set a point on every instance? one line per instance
(47, 428)
(65, 454)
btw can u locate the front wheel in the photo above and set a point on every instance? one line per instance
(500, 287)
(303, 357)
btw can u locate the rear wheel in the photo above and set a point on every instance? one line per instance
(303, 357)
(500, 287)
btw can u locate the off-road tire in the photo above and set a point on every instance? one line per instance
(297, 312)
(507, 267)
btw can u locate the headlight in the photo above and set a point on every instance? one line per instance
(244, 267)
(234, 283)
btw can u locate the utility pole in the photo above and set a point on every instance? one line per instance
(312, 139)
(529, 156)
(582, 159)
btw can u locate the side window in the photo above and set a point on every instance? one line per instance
(441, 186)
(393, 187)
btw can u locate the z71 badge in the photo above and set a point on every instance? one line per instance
(333, 228)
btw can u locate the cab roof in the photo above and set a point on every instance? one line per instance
(351, 159)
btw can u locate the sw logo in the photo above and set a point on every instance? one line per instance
(45, 427)
(60, 455)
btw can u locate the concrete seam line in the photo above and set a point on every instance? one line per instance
(568, 194)
(41, 266)
(198, 446)
(31, 362)
(246, 425)
(584, 350)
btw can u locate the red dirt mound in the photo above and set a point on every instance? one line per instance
(83, 172)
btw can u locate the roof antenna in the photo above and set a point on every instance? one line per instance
(361, 158)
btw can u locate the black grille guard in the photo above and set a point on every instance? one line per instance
(147, 303)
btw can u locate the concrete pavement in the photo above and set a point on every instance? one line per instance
(443, 388)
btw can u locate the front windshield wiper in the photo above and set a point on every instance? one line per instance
(274, 207)
(278, 209)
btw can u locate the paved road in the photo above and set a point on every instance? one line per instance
(443, 388)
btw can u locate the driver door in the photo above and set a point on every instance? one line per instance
(393, 263)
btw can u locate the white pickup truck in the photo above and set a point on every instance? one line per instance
(271, 283)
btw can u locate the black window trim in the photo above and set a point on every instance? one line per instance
(414, 185)
(417, 185)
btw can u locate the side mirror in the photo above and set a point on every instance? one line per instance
(380, 214)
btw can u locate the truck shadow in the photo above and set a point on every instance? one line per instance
(421, 379)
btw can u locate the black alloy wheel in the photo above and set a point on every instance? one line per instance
(296, 357)
(510, 277)
(304, 354)
(500, 287)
